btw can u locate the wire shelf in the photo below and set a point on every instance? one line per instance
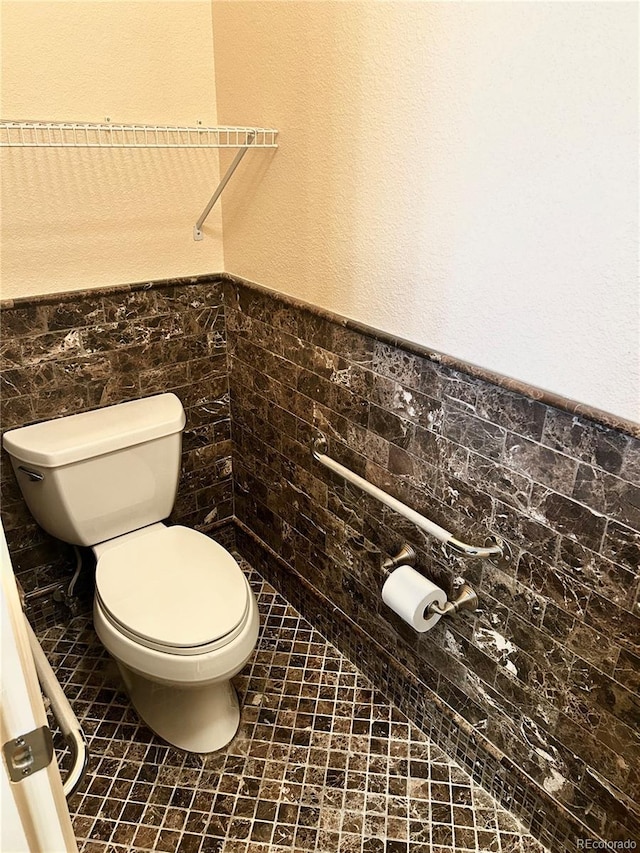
(49, 134)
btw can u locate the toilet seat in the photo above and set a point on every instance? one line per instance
(172, 589)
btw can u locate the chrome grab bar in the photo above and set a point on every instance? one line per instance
(498, 550)
(63, 713)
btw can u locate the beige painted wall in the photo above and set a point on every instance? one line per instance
(76, 219)
(461, 174)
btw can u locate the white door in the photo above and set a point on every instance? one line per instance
(35, 817)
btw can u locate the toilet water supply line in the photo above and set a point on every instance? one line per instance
(60, 594)
(497, 550)
(63, 713)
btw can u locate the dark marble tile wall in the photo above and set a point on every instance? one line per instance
(67, 354)
(542, 683)
(546, 673)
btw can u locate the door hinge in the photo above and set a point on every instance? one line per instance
(28, 753)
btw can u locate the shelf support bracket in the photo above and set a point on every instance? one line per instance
(197, 228)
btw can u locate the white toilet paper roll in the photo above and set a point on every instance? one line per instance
(409, 593)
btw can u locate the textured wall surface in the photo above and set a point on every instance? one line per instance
(463, 175)
(73, 219)
(105, 347)
(547, 670)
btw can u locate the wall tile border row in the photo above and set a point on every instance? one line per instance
(517, 386)
(541, 395)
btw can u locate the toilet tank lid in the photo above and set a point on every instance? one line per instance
(88, 434)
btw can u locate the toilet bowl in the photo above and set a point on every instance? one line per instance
(176, 613)
(171, 606)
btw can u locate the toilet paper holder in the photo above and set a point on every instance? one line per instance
(467, 598)
(406, 556)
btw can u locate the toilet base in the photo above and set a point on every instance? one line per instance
(196, 719)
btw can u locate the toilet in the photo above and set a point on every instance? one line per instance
(171, 606)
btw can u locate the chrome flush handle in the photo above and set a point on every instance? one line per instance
(34, 476)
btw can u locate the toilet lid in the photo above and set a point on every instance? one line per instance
(173, 588)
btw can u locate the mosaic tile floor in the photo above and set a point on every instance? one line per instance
(322, 762)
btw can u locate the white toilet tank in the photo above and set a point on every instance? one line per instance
(91, 477)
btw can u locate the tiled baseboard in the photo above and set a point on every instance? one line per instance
(541, 814)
